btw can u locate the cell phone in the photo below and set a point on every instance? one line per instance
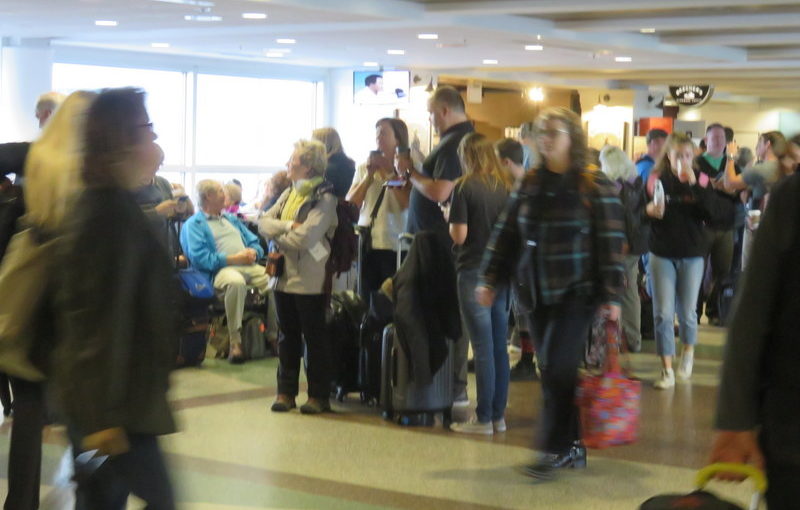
(375, 154)
(395, 183)
(403, 151)
(182, 198)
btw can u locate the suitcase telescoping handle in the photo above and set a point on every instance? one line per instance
(707, 473)
(404, 239)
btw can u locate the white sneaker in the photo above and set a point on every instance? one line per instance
(686, 365)
(499, 425)
(461, 402)
(473, 426)
(666, 381)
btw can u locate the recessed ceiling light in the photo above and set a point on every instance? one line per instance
(105, 23)
(648, 30)
(534, 47)
(159, 45)
(489, 61)
(428, 36)
(395, 52)
(370, 64)
(198, 3)
(202, 17)
(539, 37)
(536, 94)
(254, 15)
(285, 41)
(623, 59)
(273, 54)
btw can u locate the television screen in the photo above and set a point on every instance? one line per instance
(381, 87)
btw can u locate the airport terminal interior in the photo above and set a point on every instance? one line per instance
(233, 84)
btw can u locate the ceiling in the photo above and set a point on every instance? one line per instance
(746, 49)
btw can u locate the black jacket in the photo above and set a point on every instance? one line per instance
(759, 384)
(12, 157)
(426, 305)
(118, 336)
(340, 173)
(682, 231)
(704, 166)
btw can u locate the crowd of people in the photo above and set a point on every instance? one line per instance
(541, 240)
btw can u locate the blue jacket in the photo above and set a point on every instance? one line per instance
(200, 248)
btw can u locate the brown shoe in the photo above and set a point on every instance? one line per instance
(315, 406)
(283, 404)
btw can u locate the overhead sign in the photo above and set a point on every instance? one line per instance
(691, 95)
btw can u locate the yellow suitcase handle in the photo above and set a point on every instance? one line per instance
(705, 474)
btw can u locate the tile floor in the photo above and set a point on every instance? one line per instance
(232, 453)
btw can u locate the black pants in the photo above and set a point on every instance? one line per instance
(5, 394)
(560, 333)
(141, 472)
(783, 490)
(25, 449)
(719, 263)
(302, 317)
(376, 266)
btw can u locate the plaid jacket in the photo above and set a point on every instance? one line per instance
(568, 241)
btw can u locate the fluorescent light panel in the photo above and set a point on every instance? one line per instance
(285, 41)
(431, 37)
(534, 47)
(395, 52)
(274, 54)
(370, 64)
(159, 45)
(105, 23)
(648, 30)
(197, 3)
(202, 17)
(254, 15)
(489, 61)
(623, 59)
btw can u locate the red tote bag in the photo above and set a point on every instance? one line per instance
(609, 402)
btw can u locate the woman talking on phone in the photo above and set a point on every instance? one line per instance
(683, 201)
(382, 196)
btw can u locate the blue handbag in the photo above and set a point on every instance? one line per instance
(196, 284)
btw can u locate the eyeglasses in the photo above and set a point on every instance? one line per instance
(149, 126)
(551, 133)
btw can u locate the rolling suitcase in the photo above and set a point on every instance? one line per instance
(700, 499)
(402, 399)
(347, 314)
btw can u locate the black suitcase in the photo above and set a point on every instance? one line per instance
(700, 499)
(377, 318)
(196, 298)
(725, 299)
(347, 311)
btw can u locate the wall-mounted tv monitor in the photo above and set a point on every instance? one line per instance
(381, 87)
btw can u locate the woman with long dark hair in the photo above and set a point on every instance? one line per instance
(561, 237)
(117, 343)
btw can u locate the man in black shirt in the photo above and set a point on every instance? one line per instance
(435, 185)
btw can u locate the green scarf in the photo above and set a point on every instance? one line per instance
(298, 196)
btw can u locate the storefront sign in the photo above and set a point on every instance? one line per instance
(691, 95)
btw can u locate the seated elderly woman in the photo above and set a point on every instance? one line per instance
(218, 244)
(301, 224)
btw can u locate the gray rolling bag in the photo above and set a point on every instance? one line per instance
(403, 400)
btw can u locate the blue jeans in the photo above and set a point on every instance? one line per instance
(487, 328)
(676, 283)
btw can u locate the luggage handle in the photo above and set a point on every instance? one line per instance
(759, 480)
(406, 238)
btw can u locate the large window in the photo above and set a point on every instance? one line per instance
(251, 121)
(166, 93)
(213, 126)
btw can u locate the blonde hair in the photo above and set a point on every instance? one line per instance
(234, 192)
(311, 153)
(674, 142)
(330, 138)
(616, 164)
(54, 163)
(479, 161)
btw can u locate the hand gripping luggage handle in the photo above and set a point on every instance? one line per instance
(758, 478)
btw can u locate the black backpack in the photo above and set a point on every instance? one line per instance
(634, 201)
(344, 244)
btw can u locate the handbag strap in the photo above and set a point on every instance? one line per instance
(374, 213)
(612, 365)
